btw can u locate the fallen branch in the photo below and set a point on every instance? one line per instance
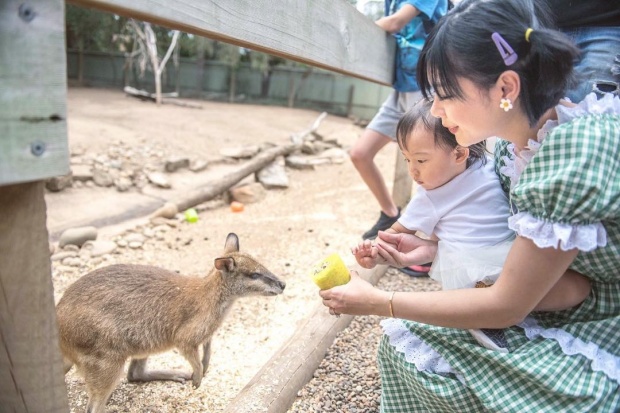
(167, 98)
(274, 388)
(211, 190)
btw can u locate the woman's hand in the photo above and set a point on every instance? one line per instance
(402, 250)
(357, 297)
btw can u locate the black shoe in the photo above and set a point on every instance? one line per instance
(382, 224)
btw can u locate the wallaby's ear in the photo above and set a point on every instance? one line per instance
(225, 264)
(232, 243)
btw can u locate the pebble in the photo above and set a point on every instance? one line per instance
(77, 236)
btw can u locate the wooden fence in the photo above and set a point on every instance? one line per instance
(33, 141)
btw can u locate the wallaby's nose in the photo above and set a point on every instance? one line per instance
(281, 284)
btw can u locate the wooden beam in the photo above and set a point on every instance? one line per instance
(274, 388)
(33, 87)
(31, 368)
(330, 34)
(403, 185)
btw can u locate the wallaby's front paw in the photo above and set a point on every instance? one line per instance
(196, 380)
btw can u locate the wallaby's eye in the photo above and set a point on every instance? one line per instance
(254, 275)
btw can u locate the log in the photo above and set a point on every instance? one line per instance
(274, 388)
(211, 190)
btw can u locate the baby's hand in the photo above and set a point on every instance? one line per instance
(365, 254)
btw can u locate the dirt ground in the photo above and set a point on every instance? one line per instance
(324, 210)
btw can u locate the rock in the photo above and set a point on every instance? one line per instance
(198, 165)
(123, 184)
(174, 164)
(72, 262)
(101, 247)
(274, 175)
(248, 194)
(77, 236)
(58, 183)
(335, 155)
(168, 210)
(159, 179)
(59, 256)
(135, 237)
(102, 178)
(304, 162)
(240, 152)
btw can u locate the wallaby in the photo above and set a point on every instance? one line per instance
(133, 311)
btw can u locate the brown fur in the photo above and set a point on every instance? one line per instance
(132, 311)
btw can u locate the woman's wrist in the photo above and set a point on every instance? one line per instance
(385, 304)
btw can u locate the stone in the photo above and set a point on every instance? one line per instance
(77, 236)
(58, 183)
(159, 179)
(273, 175)
(102, 178)
(99, 248)
(59, 256)
(167, 211)
(174, 164)
(240, 152)
(198, 165)
(248, 194)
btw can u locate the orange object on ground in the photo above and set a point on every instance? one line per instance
(236, 206)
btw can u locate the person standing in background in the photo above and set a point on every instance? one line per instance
(594, 26)
(409, 21)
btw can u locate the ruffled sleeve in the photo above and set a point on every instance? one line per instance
(569, 185)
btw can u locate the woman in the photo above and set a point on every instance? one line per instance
(497, 71)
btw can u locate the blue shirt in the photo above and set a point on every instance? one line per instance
(410, 40)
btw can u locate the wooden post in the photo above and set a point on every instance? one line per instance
(33, 147)
(401, 190)
(31, 368)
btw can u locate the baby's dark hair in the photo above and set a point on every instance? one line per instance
(460, 45)
(420, 114)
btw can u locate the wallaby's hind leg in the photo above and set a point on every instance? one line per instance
(137, 372)
(100, 377)
(206, 355)
(66, 364)
(192, 355)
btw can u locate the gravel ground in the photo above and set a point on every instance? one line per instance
(347, 380)
(322, 211)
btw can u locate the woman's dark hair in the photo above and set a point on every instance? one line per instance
(460, 45)
(420, 114)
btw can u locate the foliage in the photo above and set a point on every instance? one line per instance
(91, 30)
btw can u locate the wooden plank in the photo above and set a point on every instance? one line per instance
(33, 85)
(31, 368)
(274, 388)
(330, 34)
(403, 184)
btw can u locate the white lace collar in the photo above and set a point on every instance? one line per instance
(517, 160)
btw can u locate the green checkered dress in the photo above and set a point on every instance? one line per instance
(568, 361)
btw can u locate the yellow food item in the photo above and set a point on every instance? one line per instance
(330, 272)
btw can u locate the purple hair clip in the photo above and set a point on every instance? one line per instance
(504, 48)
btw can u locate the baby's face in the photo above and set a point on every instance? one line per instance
(429, 165)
